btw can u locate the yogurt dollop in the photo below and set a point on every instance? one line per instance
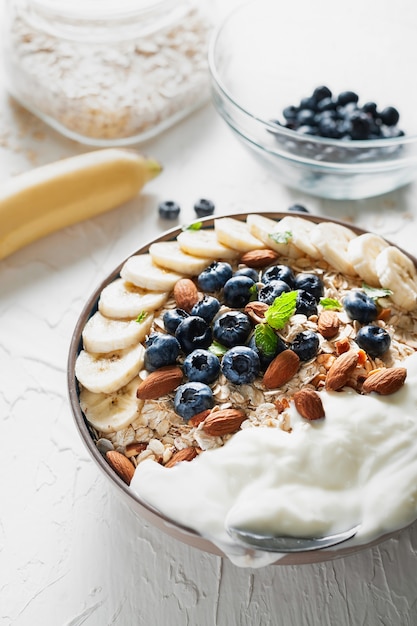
(358, 465)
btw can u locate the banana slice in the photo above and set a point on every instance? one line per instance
(397, 272)
(142, 272)
(168, 254)
(101, 334)
(111, 412)
(278, 235)
(106, 373)
(362, 252)
(332, 240)
(204, 243)
(236, 234)
(122, 300)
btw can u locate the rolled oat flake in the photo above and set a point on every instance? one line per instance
(108, 72)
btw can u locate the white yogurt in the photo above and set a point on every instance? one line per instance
(357, 465)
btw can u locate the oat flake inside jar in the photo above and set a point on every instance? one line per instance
(108, 72)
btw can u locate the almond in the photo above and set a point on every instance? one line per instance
(160, 382)
(121, 465)
(281, 369)
(328, 324)
(259, 258)
(223, 422)
(256, 311)
(308, 403)
(385, 381)
(199, 417)
(185, 294)
(186, 454)
(339, 373)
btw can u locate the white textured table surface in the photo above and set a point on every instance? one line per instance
(70, 552)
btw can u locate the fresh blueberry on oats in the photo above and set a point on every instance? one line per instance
(373, 339)
(237, 291)
(169, 209)
(206, 308)
(160, 350)
(192, 398)
(201, 366)
(360, 307)
(311, 283)
(240, 365)
(192, 333)
(272, 290)
(232, 328)
(248, 271)
(214, 276)
(172, 318)
(306, 303)
(204, 207)
(279, 272)
(306, 345)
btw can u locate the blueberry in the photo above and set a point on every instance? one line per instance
(360, 125)
(305, 116)
(192, 398)
(306, 303)
(307, 129)
(272, 290)
(290, 113)
(248, 271)
(389, 116)
(360, 307)
(264, 358)
(232, 328)
(201, 366)
(326, 104)
(311, 283)
(369, 107)
(160, 350)
(215, 276)
(321, 92)
(306, 345)
(298, 208)
(240, 365)
(347, 96)
(192, 333)
(374, 340)
(204, 207)
(169, 210)
(308, 103)
(206, 308)
(172, 318)
(237, 291)
(279, 272)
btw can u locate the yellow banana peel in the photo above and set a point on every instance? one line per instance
(48, 198)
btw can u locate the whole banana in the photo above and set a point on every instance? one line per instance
(50, 197)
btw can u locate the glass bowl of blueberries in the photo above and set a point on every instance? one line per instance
(325, 101)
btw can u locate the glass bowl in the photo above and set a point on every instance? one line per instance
(141, 508)
(266, 56)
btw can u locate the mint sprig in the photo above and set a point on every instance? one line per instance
(141, 317)
(376, 292)
(281, 309)
(330, 304)
(217, 349)
(193, 226)
(281, 236)
(265, 339)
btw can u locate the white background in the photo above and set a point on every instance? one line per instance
(70, 552)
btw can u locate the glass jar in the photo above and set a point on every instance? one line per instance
(107, 72)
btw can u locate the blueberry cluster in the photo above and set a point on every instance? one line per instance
(340, 117)
(370, 337)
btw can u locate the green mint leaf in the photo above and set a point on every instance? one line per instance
(265, 339)
(281, 309)
(217, 349)
(376, 292)
(253, 292)
(331, 304)
(193, 226)
(281, 236)
(141, 317)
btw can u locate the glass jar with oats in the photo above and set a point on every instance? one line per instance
(108, 72)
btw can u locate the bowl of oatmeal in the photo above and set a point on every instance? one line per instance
(259, 372)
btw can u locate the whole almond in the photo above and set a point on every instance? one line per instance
(199, 417)
(385, 381)
(185, 294)
(259, 258)
(121, 465)
(328, 324)
(308, 403)
(186, 454)
(223, 422)
(256, 311)
(281, 369)
(160, 382)
(341, 369)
